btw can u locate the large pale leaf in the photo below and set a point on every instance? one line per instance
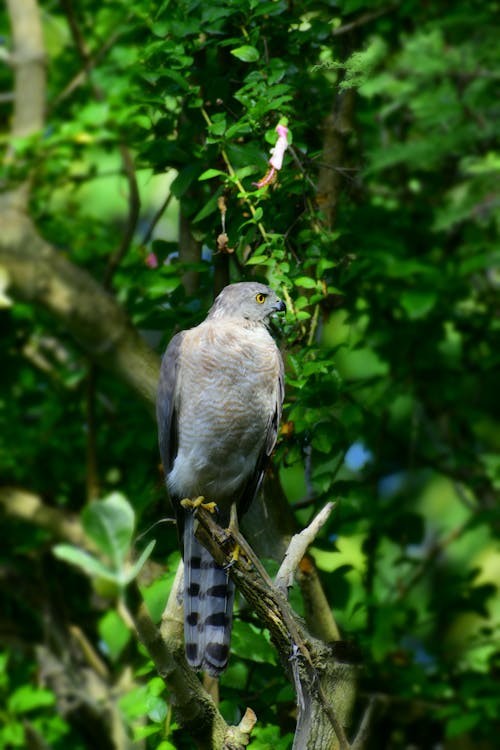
(110, 524)
(83, 560)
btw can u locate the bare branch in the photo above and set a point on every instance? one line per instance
(40, 274)
(320, 682)
(297, 549)
(318, 611)
(195, 709)
(25, 505)
(363, 733)
(361, 20)
(134, 205)
(156, 218)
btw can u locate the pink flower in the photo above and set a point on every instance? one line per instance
(151, 260)
(277, 153)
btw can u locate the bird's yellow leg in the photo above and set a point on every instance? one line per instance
(198, 502)
(234, 529)
(241, 549)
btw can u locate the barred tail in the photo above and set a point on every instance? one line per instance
(208, 607)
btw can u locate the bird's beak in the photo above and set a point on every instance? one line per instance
(279, 306)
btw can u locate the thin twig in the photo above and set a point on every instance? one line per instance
(361, 21)
(128, 167)
(434, 551)
(91, 433)
(314, 325)
(92, 60)
(156, 218)
(134, 206)
(363, 733)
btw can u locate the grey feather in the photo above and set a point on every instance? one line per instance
(165, 402)
(208, 607)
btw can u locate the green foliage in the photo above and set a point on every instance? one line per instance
(109, 523)
(391, 338)
(27, 711)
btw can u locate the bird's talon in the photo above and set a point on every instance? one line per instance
(235, 556)
(199, 502)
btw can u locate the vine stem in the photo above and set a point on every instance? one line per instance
(244, 195)
(237, 181)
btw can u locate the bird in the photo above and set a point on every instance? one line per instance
(219, 406)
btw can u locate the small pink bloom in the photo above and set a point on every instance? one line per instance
(277, 153)
(281, 146)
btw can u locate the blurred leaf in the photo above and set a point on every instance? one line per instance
(137, 566)
(110, 524)
(246, 53)
(27, 698)
(86, 562)
(250, 643)
(418, 304)
(458, 725)
(115, 634)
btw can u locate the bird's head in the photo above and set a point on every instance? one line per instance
(247, 299)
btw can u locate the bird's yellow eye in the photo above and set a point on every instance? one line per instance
(260, 298)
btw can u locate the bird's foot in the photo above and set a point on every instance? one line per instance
(199, 502)
(235, 556)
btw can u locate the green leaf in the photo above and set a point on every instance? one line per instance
(250, 643)
(157, 709)
(259, 260)
(26, 698)
(156, 594)
(136, 568)
(323, 437)
(306, 282)
(184, 180)
(209, 173)
(114, 633)
(418, 304)
(89, 564)
(12, 735)
(110, 524)
(461, 724)
(209, 208)
(246, 53)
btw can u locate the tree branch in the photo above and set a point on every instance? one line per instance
(134, 200)
(321, 682)
(337, 127)
(28, 61)
(297, 549)
(194, 708)
(39, 274)
(25, 505)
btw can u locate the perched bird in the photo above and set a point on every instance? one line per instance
(218, 408)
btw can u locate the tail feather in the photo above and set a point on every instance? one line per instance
(208, 607)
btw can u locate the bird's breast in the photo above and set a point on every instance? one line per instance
(226, 397)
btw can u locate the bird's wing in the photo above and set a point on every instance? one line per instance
(255, 481)
(165, 403)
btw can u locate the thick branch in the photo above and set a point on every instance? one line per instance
(337, 127)
(40, 274)
(195, 709)
(29, 65)
(27, 506)
(324, 687)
